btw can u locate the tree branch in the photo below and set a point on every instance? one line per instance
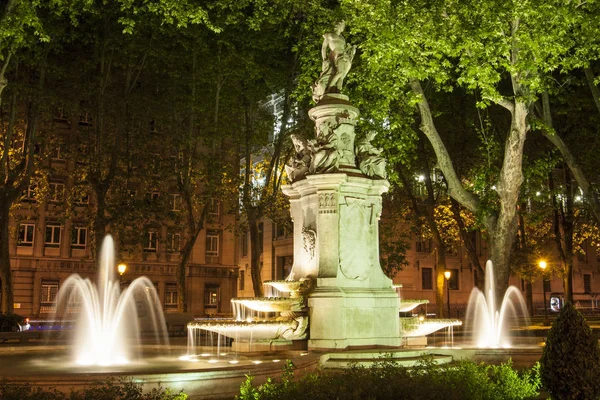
(455, 188)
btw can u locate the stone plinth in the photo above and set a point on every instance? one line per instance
(336, 239)
(353, 318)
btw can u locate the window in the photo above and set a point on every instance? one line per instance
(453, 281)
(211, 297)
(423, 246)
(151, 243)
(85, 119)
(29, 193)
(57, 192)
(587, 283)
(78, 237)
(171, 295)
(48, 292)
(245, 244)
(57, 152)
(52, 238)
(173, 242)
(426, 278)
(212, 244)
(174, 202)
(214, 207)
(25, 235)
(242, 279)
(82, 199)
(152, 197)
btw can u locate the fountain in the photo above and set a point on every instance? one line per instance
(339, 296)
(107, 331)
(489, 324)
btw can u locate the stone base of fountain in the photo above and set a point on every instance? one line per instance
(342, 318)
(277, 345)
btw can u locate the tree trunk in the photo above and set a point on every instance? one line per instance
(5, 271)
(584, 184)
(467, 242)
(255, 252)
(568, 237)
(524, 250)
(440, 280)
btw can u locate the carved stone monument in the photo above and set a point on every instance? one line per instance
(336, 206)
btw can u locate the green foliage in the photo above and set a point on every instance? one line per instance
(113, 389)
(464, 380)
(570, 364)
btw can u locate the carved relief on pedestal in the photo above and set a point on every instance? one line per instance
(354, 238)
(328, 203)
(309, 239)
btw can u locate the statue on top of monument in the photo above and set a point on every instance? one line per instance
(337, 59)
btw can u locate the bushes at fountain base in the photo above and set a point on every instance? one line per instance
(387, 380)
(570, 364)
(105, 390)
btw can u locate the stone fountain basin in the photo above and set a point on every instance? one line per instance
(209, 376)
(246, 331)
(426, 327)
(410, 304)
(286, 286)
(270, 304)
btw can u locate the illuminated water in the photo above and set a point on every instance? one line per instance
(109, 322)
(490, 324)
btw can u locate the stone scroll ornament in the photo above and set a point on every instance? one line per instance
(309, 237)
(336, 62)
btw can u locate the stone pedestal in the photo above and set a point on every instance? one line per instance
(353, 318)
(336, 239)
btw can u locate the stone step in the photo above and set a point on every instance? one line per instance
(368, 359)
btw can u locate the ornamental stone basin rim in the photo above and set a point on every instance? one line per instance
(410, 304)
(247, 330)
(427, 326)
(286, 286)
(270, 304)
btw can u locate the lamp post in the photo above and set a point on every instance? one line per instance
(121, 268)
(447, 275)
(543, 266)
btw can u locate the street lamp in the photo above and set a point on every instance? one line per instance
(447, 275)
(543, 266)
(122, 267)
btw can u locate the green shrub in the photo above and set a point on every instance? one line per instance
(570, 364)
(111, 389)
(387, 380)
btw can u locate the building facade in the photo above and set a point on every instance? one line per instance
(51, 239)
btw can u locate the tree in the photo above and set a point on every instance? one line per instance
(570, 362)
(498, 51)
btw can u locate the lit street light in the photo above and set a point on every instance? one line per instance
(447, 275)
(122, 268)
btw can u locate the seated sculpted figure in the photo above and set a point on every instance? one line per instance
(370, 161)
(324, 150)
(300, 162)
(337, 59)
